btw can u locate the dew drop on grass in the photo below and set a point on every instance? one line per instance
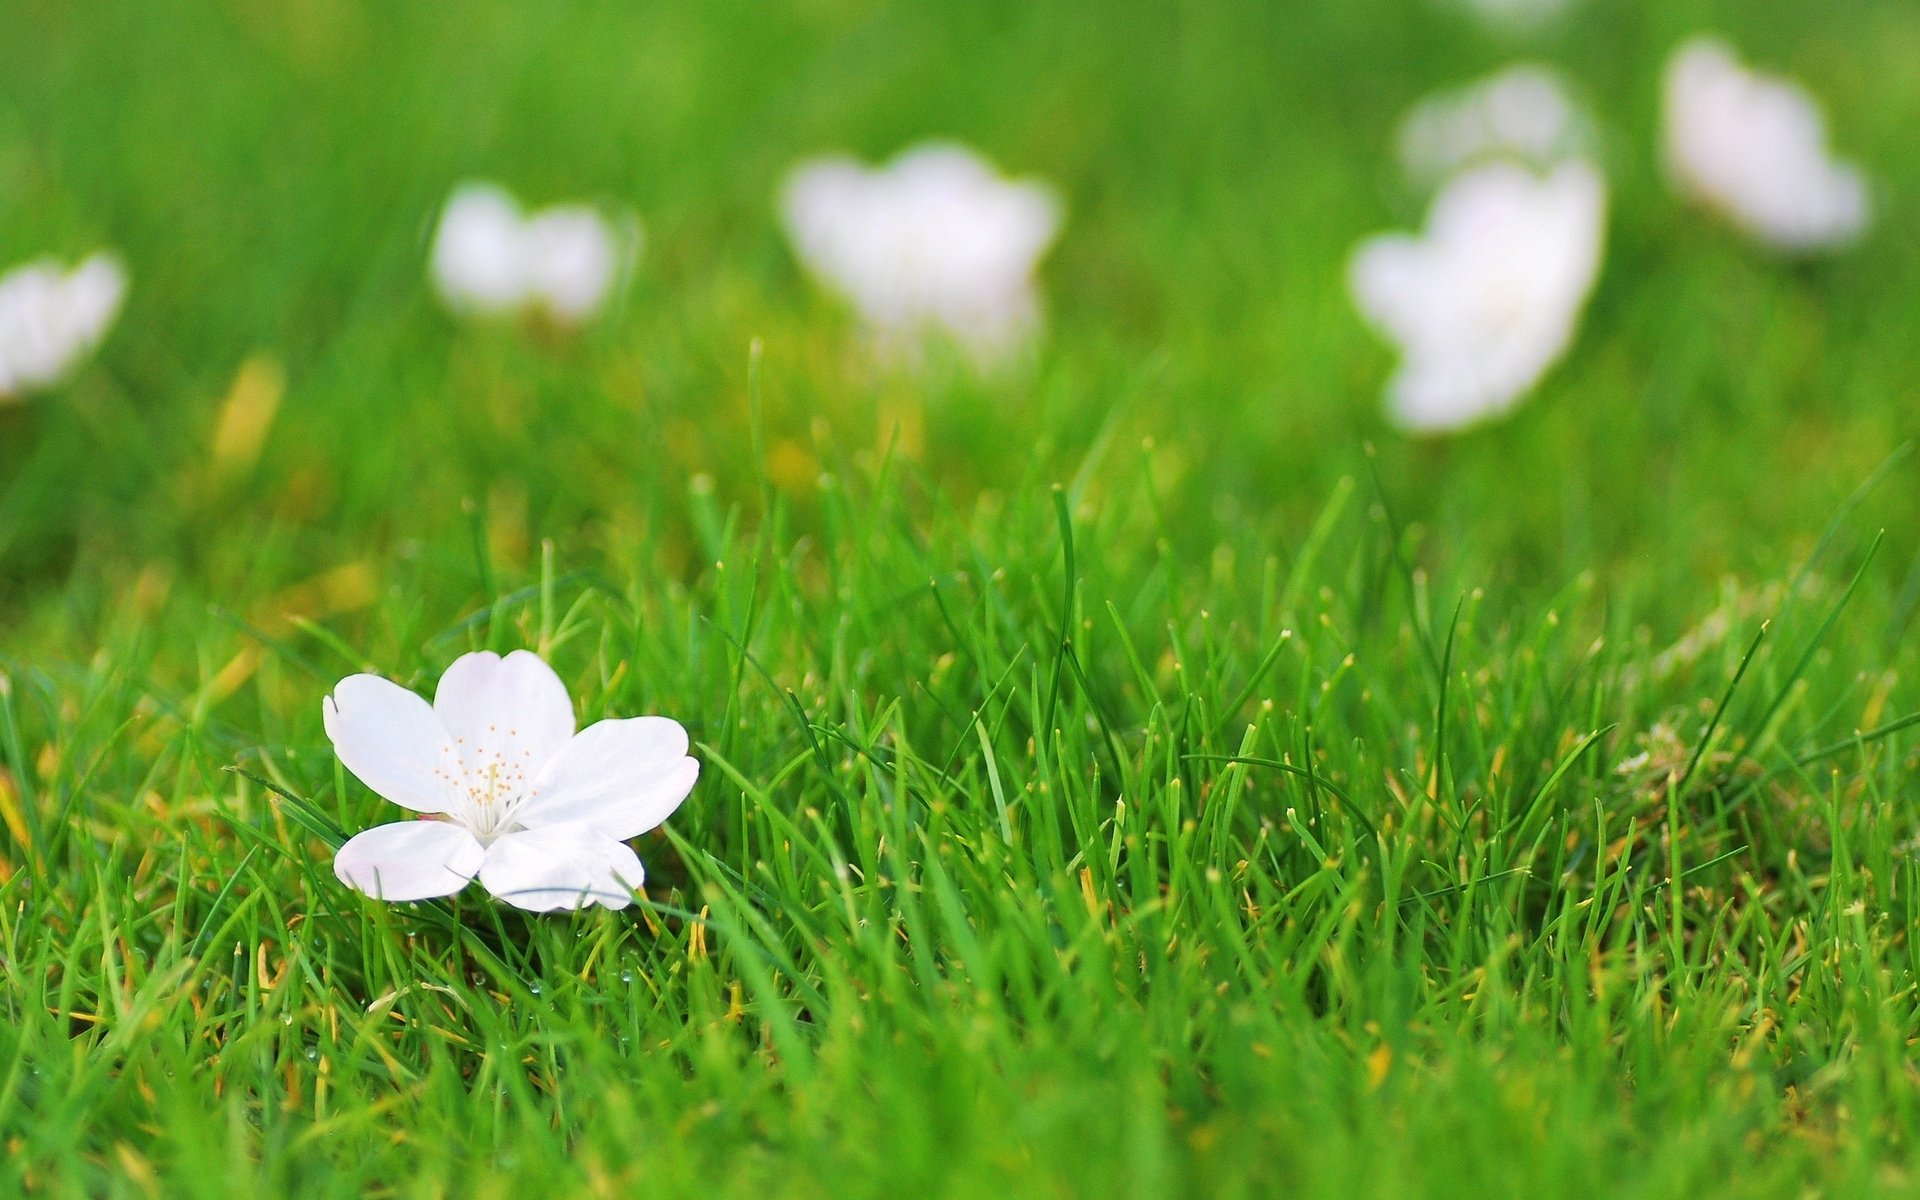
(626, 977)
(534, 988)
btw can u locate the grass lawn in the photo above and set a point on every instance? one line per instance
(1138, 772)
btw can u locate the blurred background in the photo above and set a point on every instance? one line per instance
(271, 170)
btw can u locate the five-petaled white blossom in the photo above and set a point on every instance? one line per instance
(1489, 297)
(1755, 148)
(935, 241)
(491, 258)
(49, 317)
(539, 813)
(1525, 112)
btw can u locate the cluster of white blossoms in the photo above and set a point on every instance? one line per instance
(506, 790)
(937, 243)
(1755, 149)
(1489, 298)
(933, 242)
(491, 258)
(51, 316)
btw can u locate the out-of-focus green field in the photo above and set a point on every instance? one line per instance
(1572, 849)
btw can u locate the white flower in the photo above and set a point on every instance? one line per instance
(540, 813)
(1489, 298)
(1524, 112)
(935, 240)
(490, 258)
(1755, 148)
(1517, 16)
(49, 317)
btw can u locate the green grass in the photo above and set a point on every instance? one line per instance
(1119, 780)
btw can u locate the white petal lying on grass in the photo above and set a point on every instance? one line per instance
(556, 866)
(624, 776)
(390, 739)
(540, 813)
(1525, 112)
(50, 317)
(935, 241)
(1489, 297)
(1755, 148)
(491, 258)
(410, 860)
(573, 255)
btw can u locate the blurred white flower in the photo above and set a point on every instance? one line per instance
(513, 795)
(1489, 297)
(1524, 112)
(1518, 16)
(489, 257)
(1755, 148)
(935, 241)
(50, 317)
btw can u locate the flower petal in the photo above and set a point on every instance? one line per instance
(504, 710)
(391, 741)
(572, 258)
(478, 260)
(409, 860)
(622, 777)
(561, 866)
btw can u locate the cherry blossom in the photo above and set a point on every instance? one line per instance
(1489, 297)
(1755, 148)
(511, 793)
(935, 241)
(51, 316)
(491, 258)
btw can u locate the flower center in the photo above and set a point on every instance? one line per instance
(490, 777)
